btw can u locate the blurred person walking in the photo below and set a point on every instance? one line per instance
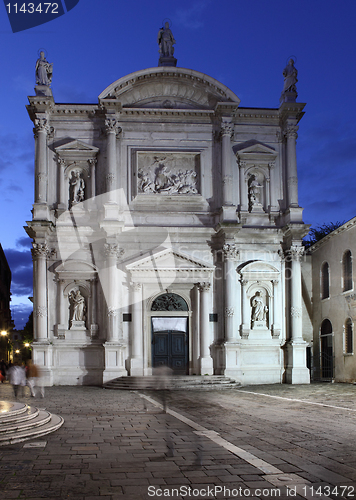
(34, 379)
(17, 377)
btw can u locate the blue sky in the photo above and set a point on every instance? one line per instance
(243, 44)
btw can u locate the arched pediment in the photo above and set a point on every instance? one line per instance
(170, 88)
(75, 269)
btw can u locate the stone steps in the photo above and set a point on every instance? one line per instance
(20, 422)
(213, 382)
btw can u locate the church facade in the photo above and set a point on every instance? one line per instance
(167, 231)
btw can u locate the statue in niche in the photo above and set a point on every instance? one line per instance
(77, 302)
(44, 71)
(254, 192)
(290, 78)
(77, 185)
(166, 41)
(259, 309)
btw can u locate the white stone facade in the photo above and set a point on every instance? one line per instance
(172, 213)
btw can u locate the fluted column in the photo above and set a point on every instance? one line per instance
(112, 252)
(40, 131)
(230, 255)
(40, 252)
(246, 311)
(136, 362)
(295, 253)
(206, 362)
(292, 174)
(226, 133)
(112, 129)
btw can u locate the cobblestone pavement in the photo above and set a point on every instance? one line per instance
(277, 441)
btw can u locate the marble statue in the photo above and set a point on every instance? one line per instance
(77, 302)
(78, 186)
(259, 309)
(166, 41)
(290, 77)
(254, 192)
(44, 71)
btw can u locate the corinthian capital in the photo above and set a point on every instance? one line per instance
(113, 250)
(204, 286)
(230, 251)
(111, 126)
(40, 250)
(227, 128)
(291, 131)
(295, 253)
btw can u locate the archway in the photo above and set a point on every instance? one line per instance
(170, 333)
(326, 350)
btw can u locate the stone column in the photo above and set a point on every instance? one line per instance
(112, 252)
(136, 361)
(297, 371)
(40, 130)
(196, 329)
(230, 255)
(243, 187)
(272, 187)
(112, 130)
(206, 362)
(275, 325)
(93, 302)
(246, 311)
(40, 252)
(63, 186)
(92, 163)
(226, 133)
(292, 174)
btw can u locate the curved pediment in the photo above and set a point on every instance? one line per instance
(258, 270)
(169, 88)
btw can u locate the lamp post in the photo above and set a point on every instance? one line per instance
(4, 340)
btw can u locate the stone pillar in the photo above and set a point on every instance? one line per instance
(93, 294)
(275, 323)
(40, 252)
(230, 255)
(226, 133)
(40, 130)
(112, 252)
(112, 130)
(292, 174)
(136, 361)
(63, 186)
(196, 330)
(272, 187)
(296, 372)
(92, 163)
(243, 187)
(206, 362)
(60, 327)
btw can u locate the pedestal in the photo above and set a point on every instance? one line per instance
(42, 357)
(167, 61)
(297, 372)
(114, 361)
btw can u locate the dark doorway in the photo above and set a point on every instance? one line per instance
(170, 343)
(326, 351)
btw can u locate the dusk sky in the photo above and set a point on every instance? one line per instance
(243, 44)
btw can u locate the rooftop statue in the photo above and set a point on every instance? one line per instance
(166, 41)
(44, 71)
(290, 78)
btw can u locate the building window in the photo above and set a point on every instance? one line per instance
(325, 281)
(348, 337)
(347, 271)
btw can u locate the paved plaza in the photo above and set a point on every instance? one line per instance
(276, 441)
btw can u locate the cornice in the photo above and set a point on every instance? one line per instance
(345, 227)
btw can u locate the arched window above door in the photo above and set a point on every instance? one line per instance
(169, 302)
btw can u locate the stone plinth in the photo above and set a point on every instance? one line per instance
(167, 61)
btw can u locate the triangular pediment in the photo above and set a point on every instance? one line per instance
(76, 146)
(168, 259)
(253, 147)
(169, 88)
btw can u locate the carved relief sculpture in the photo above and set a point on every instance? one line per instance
(77, 187)
(163, 176)
(44, 71)
(78, 307)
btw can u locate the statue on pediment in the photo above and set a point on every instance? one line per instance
(44, 71)
(166, 41)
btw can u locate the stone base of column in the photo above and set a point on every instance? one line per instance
(114, 361)
(206, 366)
(297, 371)
(136, 367)
(42, 357)
(111, 211)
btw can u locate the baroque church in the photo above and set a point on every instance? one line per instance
(166, 230)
